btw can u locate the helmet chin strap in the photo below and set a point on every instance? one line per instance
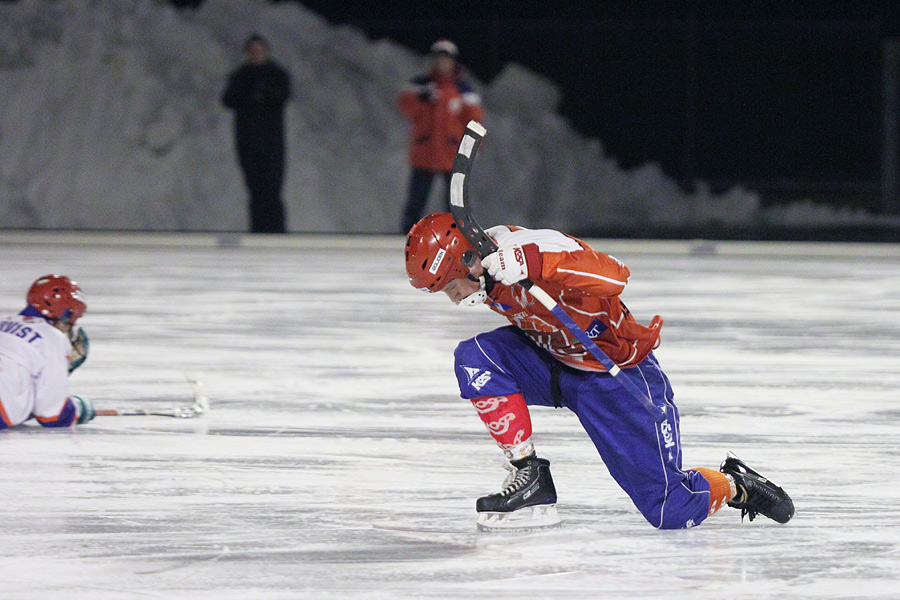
(478, 297)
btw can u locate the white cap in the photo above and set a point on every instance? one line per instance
(444, 47)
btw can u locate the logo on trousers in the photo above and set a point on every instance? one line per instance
(666, 431)
(476, 377)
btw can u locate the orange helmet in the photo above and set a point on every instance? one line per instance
(434, 250)
(56, 297)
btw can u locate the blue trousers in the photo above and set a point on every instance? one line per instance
(642, 456)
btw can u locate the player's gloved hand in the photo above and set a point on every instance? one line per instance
(509, 264)
(84, 408)
(81, 345)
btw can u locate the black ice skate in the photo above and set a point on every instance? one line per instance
(756, 494)
(528, 499)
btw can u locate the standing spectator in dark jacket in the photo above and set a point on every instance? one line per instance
(257, 92)
(439, 104)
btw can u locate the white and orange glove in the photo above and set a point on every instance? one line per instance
(511, 264)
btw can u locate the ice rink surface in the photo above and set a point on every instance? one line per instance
(338, 461)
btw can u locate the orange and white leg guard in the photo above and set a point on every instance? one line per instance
(721, 488)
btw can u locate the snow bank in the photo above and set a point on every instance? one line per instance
(110, 119)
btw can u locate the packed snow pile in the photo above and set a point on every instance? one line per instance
(110, 119)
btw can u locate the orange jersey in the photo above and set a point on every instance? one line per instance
(586, 284)
(438, 122)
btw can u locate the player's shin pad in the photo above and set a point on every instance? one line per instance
(530, 518)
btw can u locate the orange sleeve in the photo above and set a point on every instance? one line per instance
(409, 104)
(586, 270)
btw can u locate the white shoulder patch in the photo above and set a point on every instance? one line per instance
(547, 240)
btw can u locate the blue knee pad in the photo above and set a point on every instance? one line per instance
(685, 505)
(477, 375)
(502, 362)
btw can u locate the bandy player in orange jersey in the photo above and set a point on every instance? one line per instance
(536, 361)
(39, 348)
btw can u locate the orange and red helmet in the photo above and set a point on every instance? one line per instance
(57, 298)
(434, 251)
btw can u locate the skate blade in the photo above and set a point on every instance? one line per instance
(525, 519)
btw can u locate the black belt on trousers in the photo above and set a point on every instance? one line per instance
(555, 392)
(556, 368)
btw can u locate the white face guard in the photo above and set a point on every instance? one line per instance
(475, 298)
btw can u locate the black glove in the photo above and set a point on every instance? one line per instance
(429, 93)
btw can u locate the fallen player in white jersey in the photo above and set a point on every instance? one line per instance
(39, 348)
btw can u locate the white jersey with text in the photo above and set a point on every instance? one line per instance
(34, 370)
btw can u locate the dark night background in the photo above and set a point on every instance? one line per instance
(782, 97)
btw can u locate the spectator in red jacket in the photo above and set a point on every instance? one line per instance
(438, 104)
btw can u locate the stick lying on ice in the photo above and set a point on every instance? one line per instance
(198, 408)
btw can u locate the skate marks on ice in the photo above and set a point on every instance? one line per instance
(338, 460)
